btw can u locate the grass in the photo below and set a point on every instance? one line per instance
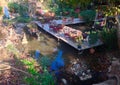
(23, 19)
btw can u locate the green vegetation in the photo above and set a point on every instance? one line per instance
(109, 37)
(93, 37)
(23, 19)
(36, 78)
(110, 11)
(8, 21)
(17, 19)
(45, 61)
(88, 15)
(11, 48)
(23, 10)
(66, 7)
(1, 10)
(13, 7)
(20, 8)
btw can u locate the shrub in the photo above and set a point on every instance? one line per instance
(109, 37)
(23, 10)
(36, 78)
(23, 19)
(88, 15)
(0, 10)
(13, 7)
(93, 37)
(45, 61)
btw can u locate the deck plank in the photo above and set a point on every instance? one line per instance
(84, 45)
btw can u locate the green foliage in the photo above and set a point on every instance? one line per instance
(93, 37)
(65, 11)
(11, 48)
(74, 3)
(37, 78)
(30, 65)
(7, 21)
(109, 37)
(110, 11)
(47, 78)
(88, 15)
(31, 81)
(23, 19)
(45, 61)
(23, 10)
(17, 19)
(13, 7)
(66, 7)
(1, 10)
(31, 69)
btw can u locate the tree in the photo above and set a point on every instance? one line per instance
(75, 3)
(113, 9)
(115, 4)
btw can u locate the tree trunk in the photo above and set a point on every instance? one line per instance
(118, 31)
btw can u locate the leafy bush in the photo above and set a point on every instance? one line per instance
(45, 61)
(88, 15)
(109, 37)
(66, 11)
(93, 37)
(0, 10)
(47, 78)
(36, 78)
(23, 10)
(59, 6)
(23, 19)
(13, 7)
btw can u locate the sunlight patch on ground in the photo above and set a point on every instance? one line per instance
(45, 47)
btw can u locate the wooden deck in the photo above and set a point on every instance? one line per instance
(69, 21)
(84, 45)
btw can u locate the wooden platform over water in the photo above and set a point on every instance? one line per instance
(84, 45)
(69, 21)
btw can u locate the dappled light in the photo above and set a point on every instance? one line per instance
(59, 42)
